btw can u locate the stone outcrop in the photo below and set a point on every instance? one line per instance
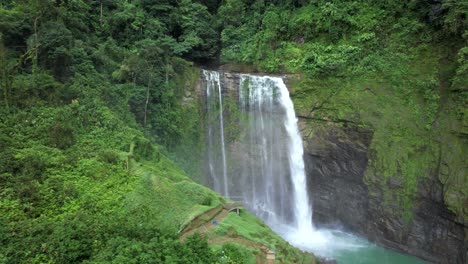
(336, 164)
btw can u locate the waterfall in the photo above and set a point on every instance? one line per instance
(212, 80)
(267, 99)
(266, 168)
(303, 211)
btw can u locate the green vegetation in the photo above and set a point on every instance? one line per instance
(98, 103)
(246, 227)
(235, 254)
(107, 196)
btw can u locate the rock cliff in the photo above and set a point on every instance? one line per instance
(345, 193)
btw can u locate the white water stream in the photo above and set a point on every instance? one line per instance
(269, 93)
(212, 78)
(268, 98)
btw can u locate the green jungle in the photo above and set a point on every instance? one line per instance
(101, 132)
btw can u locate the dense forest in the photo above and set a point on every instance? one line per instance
(97, 141)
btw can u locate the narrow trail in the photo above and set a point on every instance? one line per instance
(208, 225)
(204, 222)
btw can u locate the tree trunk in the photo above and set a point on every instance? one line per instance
(36, 46)
(5, 91)
(147, 100)
(4, 76)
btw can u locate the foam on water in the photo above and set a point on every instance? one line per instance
(341, 246)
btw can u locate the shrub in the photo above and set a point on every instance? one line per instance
(61, 137)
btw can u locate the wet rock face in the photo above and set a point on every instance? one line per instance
(432, 234)
(336, 162)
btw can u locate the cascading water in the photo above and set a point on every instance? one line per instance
(272, 119)
(261, 150)
(213, 82)
(303, 212)
(266, 168)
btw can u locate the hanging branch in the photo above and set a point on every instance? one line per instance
(36, 41)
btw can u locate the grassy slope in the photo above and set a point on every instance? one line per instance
(247, 226)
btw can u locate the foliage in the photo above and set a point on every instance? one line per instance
(231, 253)
(88, 87)
(95, 102)
(246, 226)
(88, 200)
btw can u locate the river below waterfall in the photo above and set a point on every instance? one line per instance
(254, 155)
(343, 247)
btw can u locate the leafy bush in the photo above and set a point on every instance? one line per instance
(61, 137)
(327, 60)
(233, 254)
(33, 90)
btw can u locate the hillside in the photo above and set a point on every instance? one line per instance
(101, 129)
(81, 185)
(92, 119)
